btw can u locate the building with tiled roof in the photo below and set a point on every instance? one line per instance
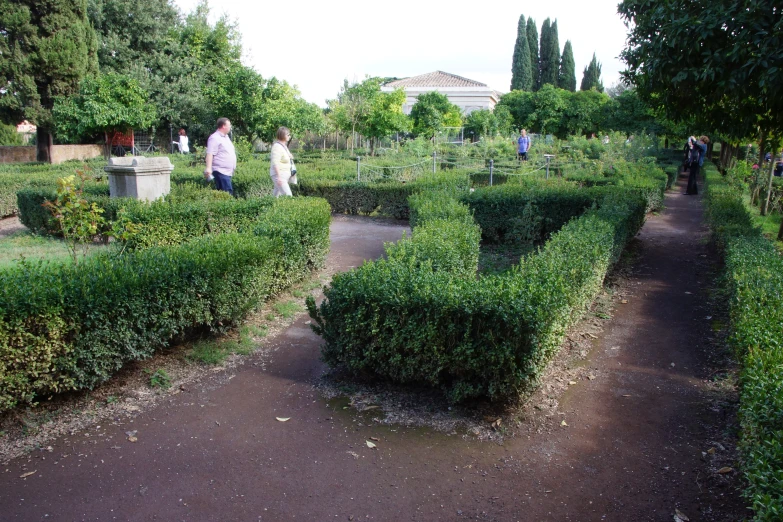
(468, 95)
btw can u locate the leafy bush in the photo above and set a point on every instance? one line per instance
(67, 327)
(754, 280)
(422, 317)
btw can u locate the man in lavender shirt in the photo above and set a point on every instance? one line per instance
(221, 157)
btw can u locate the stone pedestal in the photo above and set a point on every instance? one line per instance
(138, 177)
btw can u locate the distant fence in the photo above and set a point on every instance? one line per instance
(60, 153)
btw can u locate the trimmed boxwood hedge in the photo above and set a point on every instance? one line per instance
(66, 327)
(754, 280)
(410, 320)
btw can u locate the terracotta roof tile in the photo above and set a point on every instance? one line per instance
(436, 79)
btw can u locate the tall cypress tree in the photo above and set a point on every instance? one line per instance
(592, 76)
(543, 54)
(532, 39)
(521, 71)
(567, 79)
(552, 70)
(46, 47)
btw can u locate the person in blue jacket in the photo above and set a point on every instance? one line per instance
(698, 150)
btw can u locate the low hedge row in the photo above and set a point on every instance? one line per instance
(754, 280)
(71, 327)
(388, 198)
(409, 320)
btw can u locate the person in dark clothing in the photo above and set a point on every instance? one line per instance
(697, 152)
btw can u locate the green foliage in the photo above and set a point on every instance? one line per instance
(522, 78)
(105, 102)
(64, 327)
(159, 379)
(420, 317)
(591, 78)
(549, 57)
(567, 75)
(754, 281)
(532, 40)
(9, 136)
(432, 112)
(482, 123)
(364, 108)
(77, 219)
(727, 62)
(45, 49)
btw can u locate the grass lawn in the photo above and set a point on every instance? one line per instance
(26, 245)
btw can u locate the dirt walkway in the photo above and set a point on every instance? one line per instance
(631, 448)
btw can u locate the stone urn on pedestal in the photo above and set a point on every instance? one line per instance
(145, 179)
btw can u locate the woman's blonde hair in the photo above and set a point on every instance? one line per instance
(283, 133)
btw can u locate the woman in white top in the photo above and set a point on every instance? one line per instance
(281, 163)
(183, 142)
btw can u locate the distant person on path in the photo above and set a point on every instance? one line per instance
(281, 167)
(182, 142)
(524, 145)
(698, 150)
(221, 157)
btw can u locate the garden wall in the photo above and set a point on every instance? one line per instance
(60, 153)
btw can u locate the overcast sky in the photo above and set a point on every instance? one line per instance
(316, 44)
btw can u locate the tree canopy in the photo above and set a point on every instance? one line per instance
(432, 112)
(567, 77)
(46, 48)
(722, 64)
(521, 67)
(591, 78)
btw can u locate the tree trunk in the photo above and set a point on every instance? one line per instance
(43, 140)
(765, 208)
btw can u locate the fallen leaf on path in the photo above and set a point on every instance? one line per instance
(132, 439)
(725, 470)
(591, 335)
(626, 395)
(591, 377)
(373, 407)
(563, 423)
(624, 301)
(688, 293)
(680, 516)
(370, 445)
(283, 419)
(711, 451)
(571, 383)
(25, 475)
(376, 439)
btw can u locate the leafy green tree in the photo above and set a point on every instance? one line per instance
(352, 106)
(46, 47)
(567, 77)
(550, 74)
(629, 114)
(505, 122)
(385, 116)
(281, 105)
(583, 113)
(591, 79)
(104, 103)
(532, 40)
(9, 136)
(550, 104)
(521, 108)
(544, 72)
(481, 123)
(723, 58)
(432, 112)
(521, 68)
